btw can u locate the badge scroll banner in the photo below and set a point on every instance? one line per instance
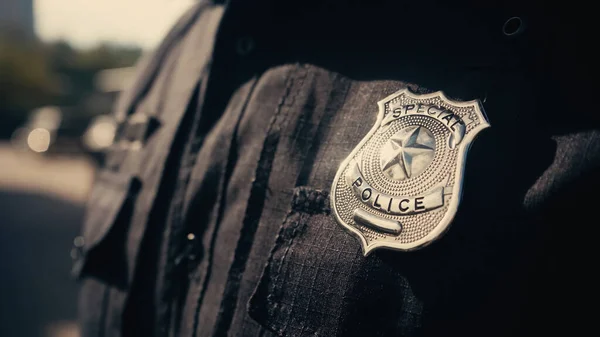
(396, 205)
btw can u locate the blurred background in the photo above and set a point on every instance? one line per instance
(62, 65)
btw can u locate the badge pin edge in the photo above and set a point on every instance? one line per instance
(464, 146)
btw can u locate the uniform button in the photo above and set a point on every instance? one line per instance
(188, 252)
(244, 45)
(193, 247)
(513, 26)
(192, 255)
(79, 241)
(77, 249)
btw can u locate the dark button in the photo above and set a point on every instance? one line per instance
(79, 241)
(189, 250)
(244, 45)
(513, 26)
(77, 250)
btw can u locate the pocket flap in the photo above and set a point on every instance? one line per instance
(104, 212)
(106, 199)
(317, 281)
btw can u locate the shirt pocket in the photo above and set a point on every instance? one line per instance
(317, 281)
(101, 247)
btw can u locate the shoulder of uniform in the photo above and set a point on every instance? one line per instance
(150, 63)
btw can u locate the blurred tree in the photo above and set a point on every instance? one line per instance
(26, 78)
(78, 67)
(108, 55)
(34, 74)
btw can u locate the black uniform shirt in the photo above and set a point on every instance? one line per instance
(212, 217)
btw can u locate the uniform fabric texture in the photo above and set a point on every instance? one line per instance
(220, 224)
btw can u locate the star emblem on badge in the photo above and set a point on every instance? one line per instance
(407, 153)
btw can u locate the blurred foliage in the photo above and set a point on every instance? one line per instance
(34, 74)
(26, 77)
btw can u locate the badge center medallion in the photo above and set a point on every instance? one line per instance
(407, 153)
(401, 186)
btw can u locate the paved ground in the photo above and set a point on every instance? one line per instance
(41, 205)
(63, 177)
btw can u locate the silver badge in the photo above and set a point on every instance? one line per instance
(401, 186)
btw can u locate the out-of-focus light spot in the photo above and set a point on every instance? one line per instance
(191, 236)
(103, 134)
(39, 140)
(100, 134)
(47, 117)
(135, 145)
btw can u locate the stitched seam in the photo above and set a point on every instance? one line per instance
(255, 203)
(220, 204)
(174, 214)
(228, 171)
(278, 285)
(326, 117)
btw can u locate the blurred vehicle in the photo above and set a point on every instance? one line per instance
(53, 130)
(86, 128)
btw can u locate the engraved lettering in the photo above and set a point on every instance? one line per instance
(419, 203)
(366, 194)
(375, 203)
(453, 122)
(448, 118)
(403, 209)
(458, 120)
(396, 205)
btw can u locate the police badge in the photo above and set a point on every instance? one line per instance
(401, 186)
